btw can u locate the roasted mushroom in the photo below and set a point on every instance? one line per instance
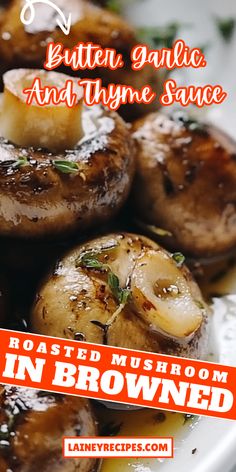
(25, 46)
(124, 290)
(47, 191)
(28, 444)
(186, 183)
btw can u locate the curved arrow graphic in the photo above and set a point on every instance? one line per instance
(63, 22)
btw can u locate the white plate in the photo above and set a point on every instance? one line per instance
(213, 439)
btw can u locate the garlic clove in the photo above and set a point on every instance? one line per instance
(162, 296)
(55, 127)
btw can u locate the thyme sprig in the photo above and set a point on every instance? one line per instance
(89, 260)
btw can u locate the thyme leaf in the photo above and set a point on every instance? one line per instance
(122, 295)
(90, 260)
(11, 164)
(159, 36)
(21, 162)
(91, 257)
(66, 167)
(226, 27)
(178, 258)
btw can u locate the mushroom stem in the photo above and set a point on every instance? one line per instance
(55, 127)
(163, 297)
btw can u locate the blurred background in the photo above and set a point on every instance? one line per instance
(208, 24)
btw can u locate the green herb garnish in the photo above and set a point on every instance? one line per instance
(11, 164)
(113, 5)
(90, 257)
(90, 260)
(122, 295)
(153, 229)
(21, 162)
(159, 36)
(226, 27)
(66, 167)
(178, 258)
